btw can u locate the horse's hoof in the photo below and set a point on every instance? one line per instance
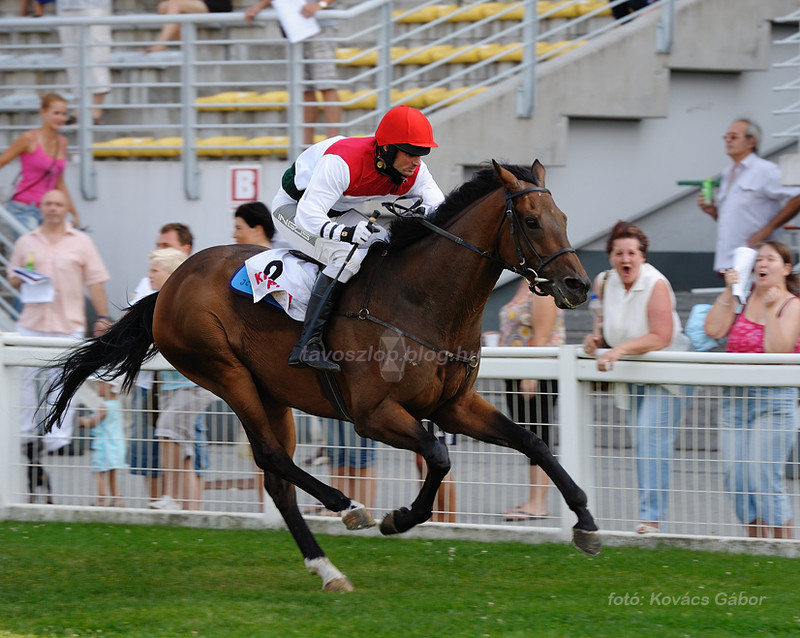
(338, 584)
(588, 542)
(358, 518)
(387, 525)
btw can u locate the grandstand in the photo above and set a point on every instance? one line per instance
(618, 113)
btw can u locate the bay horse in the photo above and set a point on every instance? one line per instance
(427, 287)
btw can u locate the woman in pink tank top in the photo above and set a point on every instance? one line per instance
(43, 157)
(758, 423)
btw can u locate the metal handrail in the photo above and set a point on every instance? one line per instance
(380, 36)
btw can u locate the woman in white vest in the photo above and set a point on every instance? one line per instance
(639, 315)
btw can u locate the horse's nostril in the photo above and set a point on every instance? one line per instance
(577, 284)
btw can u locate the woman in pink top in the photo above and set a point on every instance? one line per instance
(759, 422)
(43, 156)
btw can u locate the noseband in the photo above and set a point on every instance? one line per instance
(516, 233)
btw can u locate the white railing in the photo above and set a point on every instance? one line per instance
(592, 441)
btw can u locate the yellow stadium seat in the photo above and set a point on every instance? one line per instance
(162, 150)
(269, 101)
(210, 103)
(472, 14)
(416, 55)
(251, 147)
(410, 97)
(467, 54)
(486, 51)
(353, 56)
(588, 6)
(434, 96)
(462, 93)
(564, 9)
(489, 9)
(517, 13)
(441, 51)
(557, 48)
(366, 99)
(420, 16)
(543, 6)
(513, 53)
(221, 140)
(119, 147)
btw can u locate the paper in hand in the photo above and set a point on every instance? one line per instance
(295, 25)
(744, 258)
(36, 287)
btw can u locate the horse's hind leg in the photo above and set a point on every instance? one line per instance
(474, 416)
(284, 496)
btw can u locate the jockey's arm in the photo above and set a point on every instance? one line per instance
(328, 183)
(428, 189)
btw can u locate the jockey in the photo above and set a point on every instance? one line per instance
(315, 206)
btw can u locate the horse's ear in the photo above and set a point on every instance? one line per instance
(538, 171)
(507, 178)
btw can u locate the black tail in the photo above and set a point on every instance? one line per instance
(120, 351)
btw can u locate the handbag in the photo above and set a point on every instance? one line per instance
(695, 329)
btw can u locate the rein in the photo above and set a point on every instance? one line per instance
(522, 269)
(516, 232)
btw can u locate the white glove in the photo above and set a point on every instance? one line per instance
(357, 235)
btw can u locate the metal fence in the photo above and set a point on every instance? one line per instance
(593, 439)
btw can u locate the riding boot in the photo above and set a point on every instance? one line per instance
(310, 351)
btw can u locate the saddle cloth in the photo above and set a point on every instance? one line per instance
(279, 277)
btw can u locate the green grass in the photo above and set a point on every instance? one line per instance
(65, 579)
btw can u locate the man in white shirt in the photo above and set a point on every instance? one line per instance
(751, 204)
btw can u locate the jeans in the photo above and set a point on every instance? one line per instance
(656, 414)
(29, 215)
(757, 433)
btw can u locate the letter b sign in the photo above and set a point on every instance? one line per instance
(245, 182)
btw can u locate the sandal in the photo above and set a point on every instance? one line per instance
(519, 514)
(647, 528)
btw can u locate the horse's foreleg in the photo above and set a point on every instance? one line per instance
(474, 416)
(394, 426)
(285, 498)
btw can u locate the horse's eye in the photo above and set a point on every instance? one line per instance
(532, 223)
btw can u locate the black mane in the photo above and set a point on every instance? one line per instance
(406, 230)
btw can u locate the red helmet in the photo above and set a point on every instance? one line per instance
(407, 129)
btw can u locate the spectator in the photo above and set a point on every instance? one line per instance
(252, 224)
(144, 448)
(320, 72)
(352, 465)
(182, 403)
(172, 31)
(750, 204)
(758, 423)
(639, 316)
(98, 50)
(69, 258)
(108, 444)
(38, 7)
(43, 158)
(532, 320)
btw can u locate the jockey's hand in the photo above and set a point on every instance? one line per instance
(358, 234)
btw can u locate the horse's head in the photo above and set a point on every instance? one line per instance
(537, 243)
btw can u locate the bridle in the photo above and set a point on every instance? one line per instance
(515, 228)
(516, 232)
